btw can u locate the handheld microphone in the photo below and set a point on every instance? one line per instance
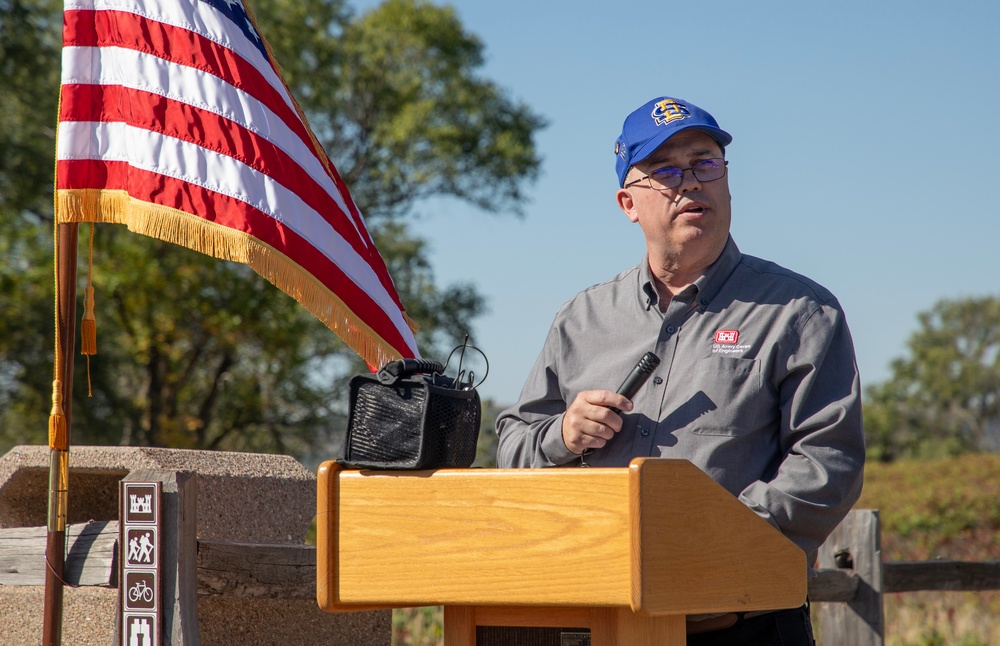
(647, 364)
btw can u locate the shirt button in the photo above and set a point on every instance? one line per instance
(657, 380)
(704, 302)
(644, 431)
(671, 329)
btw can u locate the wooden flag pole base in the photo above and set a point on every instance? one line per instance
(55, 548)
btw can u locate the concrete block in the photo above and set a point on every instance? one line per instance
(241, 497)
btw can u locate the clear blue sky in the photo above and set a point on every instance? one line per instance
(865, 154)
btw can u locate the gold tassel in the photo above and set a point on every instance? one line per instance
(58, 435)
(88, 327)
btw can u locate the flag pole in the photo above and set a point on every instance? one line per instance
(67, 236)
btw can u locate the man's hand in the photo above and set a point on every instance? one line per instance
(589, 421)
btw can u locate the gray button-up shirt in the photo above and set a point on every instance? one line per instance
(758, 386)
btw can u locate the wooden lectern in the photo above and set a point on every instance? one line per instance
(625, 552)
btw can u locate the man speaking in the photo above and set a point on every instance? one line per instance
(757, 382)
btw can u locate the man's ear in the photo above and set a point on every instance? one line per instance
(627, 204)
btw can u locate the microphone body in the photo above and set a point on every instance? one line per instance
(647, 364)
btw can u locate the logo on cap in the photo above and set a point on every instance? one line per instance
(669, 110)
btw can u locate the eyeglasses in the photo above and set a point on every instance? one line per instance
(707, 170)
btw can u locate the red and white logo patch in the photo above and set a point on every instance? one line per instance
(727, 337)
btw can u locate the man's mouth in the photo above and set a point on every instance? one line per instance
(694, 208)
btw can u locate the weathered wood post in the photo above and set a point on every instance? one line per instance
(855, 546)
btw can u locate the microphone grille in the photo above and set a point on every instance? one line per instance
(649, 362)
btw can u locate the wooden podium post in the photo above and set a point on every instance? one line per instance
(626, 552)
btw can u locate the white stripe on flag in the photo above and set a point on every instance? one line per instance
(136, 70)
(185, 161)
(198, 17)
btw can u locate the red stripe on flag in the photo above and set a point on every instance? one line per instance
(148, 111)
(103, 28)
(155, 188)
(378, 263)
(87, 28)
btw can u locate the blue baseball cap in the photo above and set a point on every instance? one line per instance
(647, 128)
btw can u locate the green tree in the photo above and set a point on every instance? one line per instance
(400, 107)
(30, 40)
(944, 397)
(198, 353)
(29, 75)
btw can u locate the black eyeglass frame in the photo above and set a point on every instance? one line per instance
(680, 176)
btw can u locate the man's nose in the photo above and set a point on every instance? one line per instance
(689, 182)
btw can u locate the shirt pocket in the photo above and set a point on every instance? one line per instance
(732, 393)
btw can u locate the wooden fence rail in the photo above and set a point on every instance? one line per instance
(853, 552)
(849, 586)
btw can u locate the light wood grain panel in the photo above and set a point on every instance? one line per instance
(556, 537)
(326, 589)
(619, 626)
(698, 549)
(659, 537)
(326, 532)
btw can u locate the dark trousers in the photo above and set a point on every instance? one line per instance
(780, 628)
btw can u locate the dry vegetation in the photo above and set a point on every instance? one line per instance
(941, 509)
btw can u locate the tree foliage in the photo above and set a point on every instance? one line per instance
(944, 397)
(199, 353)
(30, 40)
(400, 106)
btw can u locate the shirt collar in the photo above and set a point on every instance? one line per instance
(647, 289)
(707, 286)
(718, 273)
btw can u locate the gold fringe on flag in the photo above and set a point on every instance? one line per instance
(182, 228)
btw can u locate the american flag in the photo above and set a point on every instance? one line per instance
(175, 122)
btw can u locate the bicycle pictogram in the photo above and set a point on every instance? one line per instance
(140, 591)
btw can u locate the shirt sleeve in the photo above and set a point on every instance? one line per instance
(820, 473)
(530, 432)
